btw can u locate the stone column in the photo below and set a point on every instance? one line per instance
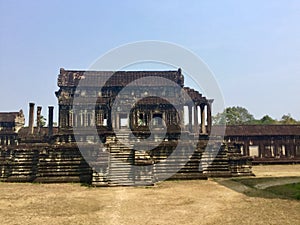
(50, 120)
(86, 121)
(181, 118)
(196, 125)
(147, 118)
(70, 122)
(276, 153)
(190, 117)
(109, 122)
(81, 118)
(132, 119)
(117, 122)
(209, 120)
(261, 150)
(203, 128)
(246, 148)
(150, 116)
(93, 118)
(294, 150)
(38, 118)
(31, 117)
(75, 119)
(291, 150)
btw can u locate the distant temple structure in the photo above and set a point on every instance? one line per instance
(10, 124)
(51, 154)
(267, 143)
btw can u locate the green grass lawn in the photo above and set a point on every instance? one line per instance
(287, 190)
(275, 190)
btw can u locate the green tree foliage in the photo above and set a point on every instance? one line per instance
(234, 116)
(287, 119)
(240, 116)
(42, 121)
(267, 120)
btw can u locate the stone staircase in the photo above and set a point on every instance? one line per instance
(225, 161)
(127, 166)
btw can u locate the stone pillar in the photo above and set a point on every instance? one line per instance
(147, 118)
(31, 117)
(181, 118)
(75, 120)
(209, 120)
(276, 153)
(151, 116)
(196, 125)
(117, 122)
(132, 119)
(246, 148)
(294, 150)
(203, 128)
(109, 122)
(261, 150)
(70, 122)
(291, 149)
(93, 118)
(190, 117)
(38, 118)
(81, 118)
(86, 121)
(50, 120)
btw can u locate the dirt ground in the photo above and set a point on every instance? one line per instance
(171, 202)
(277, 170)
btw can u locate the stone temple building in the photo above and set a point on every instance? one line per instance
(99, 111)
(157, 108)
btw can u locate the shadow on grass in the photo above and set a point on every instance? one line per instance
(271, 187)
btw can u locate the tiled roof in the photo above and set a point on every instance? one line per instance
(71, 78)
(8, 116)
(261, 130)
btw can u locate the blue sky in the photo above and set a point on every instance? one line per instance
(253, 47)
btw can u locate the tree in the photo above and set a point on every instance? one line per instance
(234, 116)
(267, 120)
(219, 119)
(42, 121)
(240, 116)
(287, 119)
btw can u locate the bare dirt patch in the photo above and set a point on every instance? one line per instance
(277, 170)
(171, 202)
